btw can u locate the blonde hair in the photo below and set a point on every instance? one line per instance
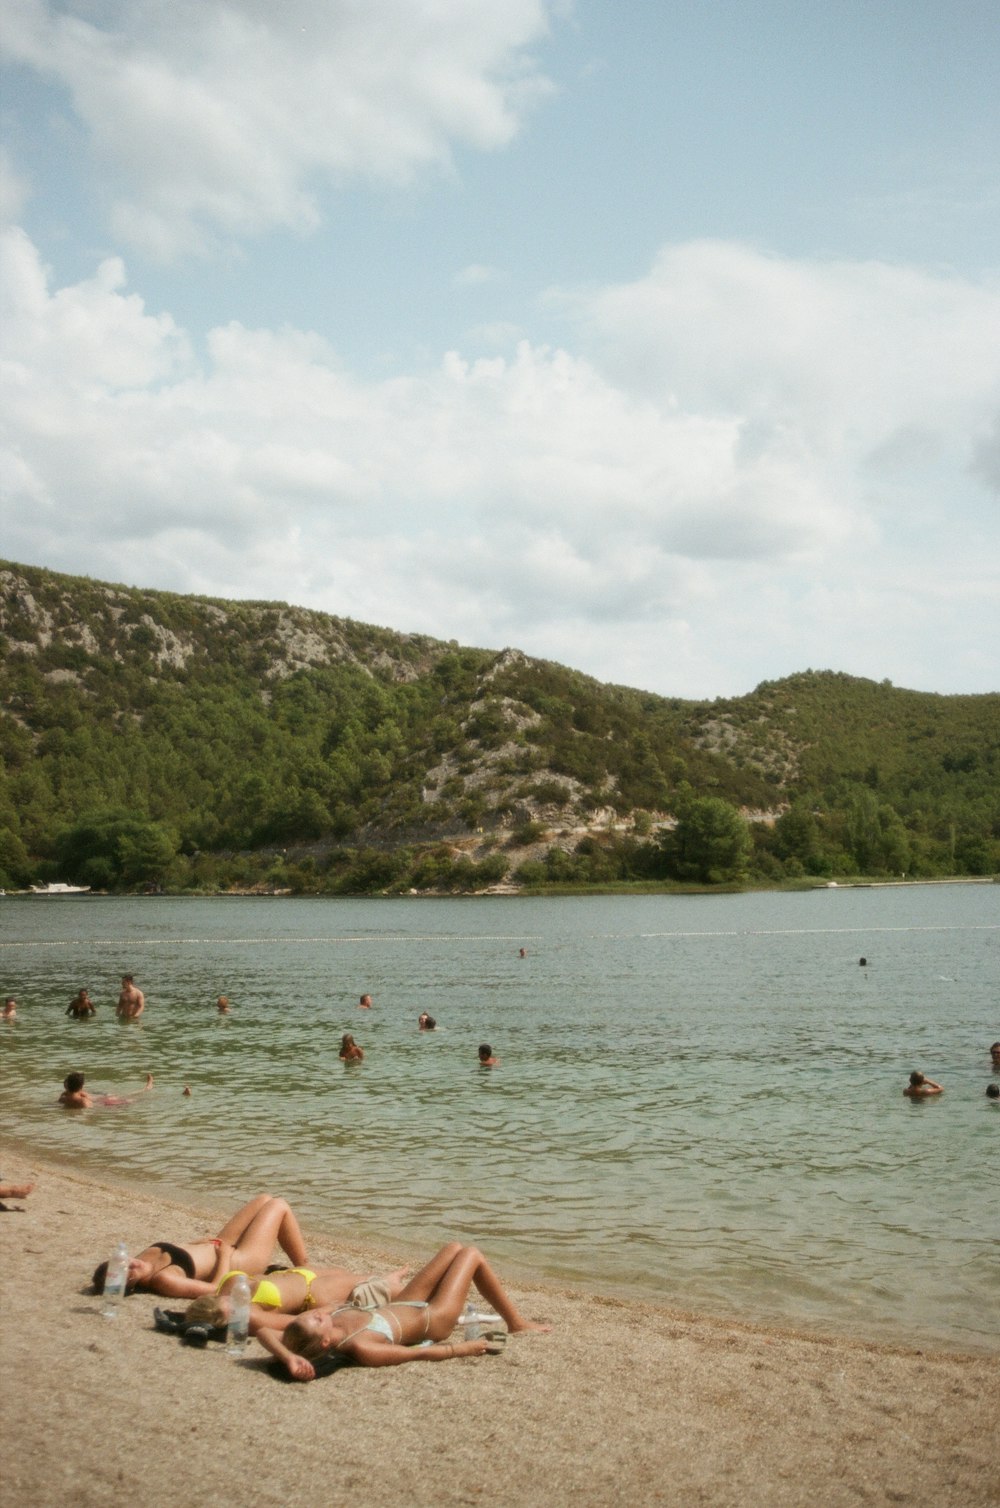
(206, 1310)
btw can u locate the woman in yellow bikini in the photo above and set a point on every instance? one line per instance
(245, 1241)
(276, 1297)
(413, 1327)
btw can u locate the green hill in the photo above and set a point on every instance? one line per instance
(149, 739)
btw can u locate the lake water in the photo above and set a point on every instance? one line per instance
(699, 1100)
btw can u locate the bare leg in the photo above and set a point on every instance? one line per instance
(15, 1190)
(424, 1284)
(237, 1224)
(274, 1222)
(445, 1283)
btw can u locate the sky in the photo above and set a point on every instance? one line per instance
(655, 337)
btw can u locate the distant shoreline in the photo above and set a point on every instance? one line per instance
(503, 892)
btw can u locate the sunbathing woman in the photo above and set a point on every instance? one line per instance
(245, 1241)
(427, 1309)
(277, 1297)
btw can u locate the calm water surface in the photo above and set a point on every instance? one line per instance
(699, 1099)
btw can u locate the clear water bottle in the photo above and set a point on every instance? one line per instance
(239, 1316)
(114, 1281)
(474, 1323)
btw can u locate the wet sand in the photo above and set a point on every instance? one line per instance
(623, 1403)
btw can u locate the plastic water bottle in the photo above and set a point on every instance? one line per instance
(114, 1282)
(474, 1323)
(239, 1317)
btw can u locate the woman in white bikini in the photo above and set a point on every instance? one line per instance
(414, 1327)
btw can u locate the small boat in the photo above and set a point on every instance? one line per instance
(58, 888)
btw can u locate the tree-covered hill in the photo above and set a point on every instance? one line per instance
(151, 739)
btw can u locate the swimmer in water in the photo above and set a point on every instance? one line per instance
(350, 1052)
(486, 1058)
(921, 1086)
(75, 1097)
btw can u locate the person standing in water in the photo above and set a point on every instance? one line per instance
(349, 1049)
(131, 1001)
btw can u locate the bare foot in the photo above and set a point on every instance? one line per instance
(15, 1190)
(526, 1325)
(149, 1081)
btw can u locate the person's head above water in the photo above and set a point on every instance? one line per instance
(993, 1090)
(73, 1082)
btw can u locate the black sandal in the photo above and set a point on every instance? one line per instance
(169, 1321)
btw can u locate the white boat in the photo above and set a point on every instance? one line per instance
(58, 888)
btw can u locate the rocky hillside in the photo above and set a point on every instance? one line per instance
(149, 738)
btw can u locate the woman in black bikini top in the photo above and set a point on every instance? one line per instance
(427, 1309)
(246, 1241)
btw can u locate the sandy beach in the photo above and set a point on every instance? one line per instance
(622, 1403)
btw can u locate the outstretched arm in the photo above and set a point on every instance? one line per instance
(371, 1351)
(268, 1319)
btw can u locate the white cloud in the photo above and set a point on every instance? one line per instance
(751, 465)
(837, 348)
(90, 335)
(222, 119)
